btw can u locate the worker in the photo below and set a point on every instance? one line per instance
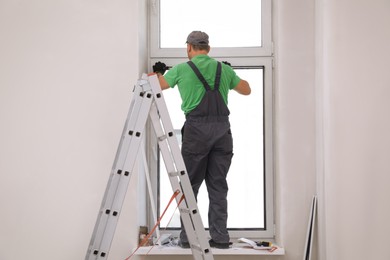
(207, 144)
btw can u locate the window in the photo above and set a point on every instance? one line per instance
(251, 174)
(244, 32)
(242, 28)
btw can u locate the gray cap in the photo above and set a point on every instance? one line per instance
(198, 38)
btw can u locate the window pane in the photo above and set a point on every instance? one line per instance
(246, 174)
(228, 23)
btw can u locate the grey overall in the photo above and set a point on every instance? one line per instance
(207, 151)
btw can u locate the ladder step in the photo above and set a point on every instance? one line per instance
(196, 247)
(162, 138)
(173, 174)
(165, 136)
(188, 211)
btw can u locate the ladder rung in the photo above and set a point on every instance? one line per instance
(185, 210)
(173, 174)
(165, 136)
(196, 247)
(162, 138)
(199, 248)
(188, 211)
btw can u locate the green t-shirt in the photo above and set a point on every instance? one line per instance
(191, 88)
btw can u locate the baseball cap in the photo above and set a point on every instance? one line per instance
(198, 38)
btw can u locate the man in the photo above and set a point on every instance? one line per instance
(207, 144)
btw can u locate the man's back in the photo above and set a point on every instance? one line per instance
(191, 88)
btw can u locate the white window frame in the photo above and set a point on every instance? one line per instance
(238, 57)
(265, 50)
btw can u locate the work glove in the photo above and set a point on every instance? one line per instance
(227, 63)
(159, 67)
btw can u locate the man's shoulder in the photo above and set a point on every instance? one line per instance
(176, 68)
(181, 65)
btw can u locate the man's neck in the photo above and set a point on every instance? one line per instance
(197, 53)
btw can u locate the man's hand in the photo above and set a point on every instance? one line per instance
(159, 67)
(227, 63)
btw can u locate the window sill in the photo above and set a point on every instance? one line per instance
(235, 250)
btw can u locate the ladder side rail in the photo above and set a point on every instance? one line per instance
(194, 225)
(181, 168)
(126, 172)
(167, 157)
(131, 115)
(114, 178)
(161, 137)
(196, 220)
(99, 246)
(127, 138)
(185, 213)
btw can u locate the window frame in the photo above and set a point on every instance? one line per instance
(265, 50)
(238, 57)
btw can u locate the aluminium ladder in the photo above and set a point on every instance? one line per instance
(147, 101)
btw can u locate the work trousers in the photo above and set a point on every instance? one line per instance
(207, 151)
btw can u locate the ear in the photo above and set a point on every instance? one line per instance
(189, 47)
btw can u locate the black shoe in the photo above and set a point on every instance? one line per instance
(184, 244)
(219, 245)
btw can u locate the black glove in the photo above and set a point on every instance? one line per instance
(227, 63)
(160, 67)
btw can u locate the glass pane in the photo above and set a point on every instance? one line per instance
(245, 178)
(228, 23)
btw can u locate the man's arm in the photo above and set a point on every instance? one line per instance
(242, 87)
(163, 83)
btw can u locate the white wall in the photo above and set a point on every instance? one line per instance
(295, 122)
(354, 86)
(66, 74)
(67, 68)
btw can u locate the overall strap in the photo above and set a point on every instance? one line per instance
(218, 76)
(203, 80)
